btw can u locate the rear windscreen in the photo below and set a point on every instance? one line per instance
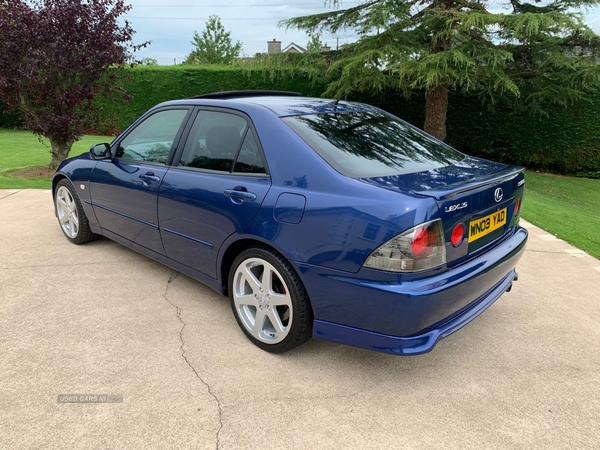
(371, 144)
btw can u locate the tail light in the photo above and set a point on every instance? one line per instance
(419, 248)
(517, 207)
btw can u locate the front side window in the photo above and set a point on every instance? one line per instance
(371, 144)
(152, 140)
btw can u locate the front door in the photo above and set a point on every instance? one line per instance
(125, 189)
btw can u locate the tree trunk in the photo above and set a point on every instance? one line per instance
(436, 108)
(60, 151)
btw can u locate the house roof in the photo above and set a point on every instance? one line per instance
(294, 47)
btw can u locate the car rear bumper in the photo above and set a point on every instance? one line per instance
(410, 317)
(412, 345)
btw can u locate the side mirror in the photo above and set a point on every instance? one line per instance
(100, 151)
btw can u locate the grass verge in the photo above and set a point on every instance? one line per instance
(569, 208)
(21, 149)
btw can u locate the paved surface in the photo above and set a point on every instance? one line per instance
(101, 319)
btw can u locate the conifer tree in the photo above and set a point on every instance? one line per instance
(537, 53)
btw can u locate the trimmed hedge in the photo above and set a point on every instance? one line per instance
(151, 85)
(12, 120)
(568, 141)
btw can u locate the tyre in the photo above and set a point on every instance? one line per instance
(269, 300)
(71, 217)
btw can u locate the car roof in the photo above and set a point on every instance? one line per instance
(281, 105)
(294, 106)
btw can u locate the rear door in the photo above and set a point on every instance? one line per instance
(124, 190)
(215, 188)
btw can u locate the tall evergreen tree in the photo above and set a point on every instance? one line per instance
(538, 54)
(214, 46)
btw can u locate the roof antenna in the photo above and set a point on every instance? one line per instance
(337, 100)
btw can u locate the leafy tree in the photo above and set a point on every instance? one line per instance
(315, 44)
(149, 62)
(55, 57)
(536, 55)
(214, 46)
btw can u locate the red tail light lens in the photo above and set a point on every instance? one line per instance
(424, 241)
(517, 207)
(458, 234)
(420, 248)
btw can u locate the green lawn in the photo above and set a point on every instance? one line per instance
(566, 207)
(21, 149)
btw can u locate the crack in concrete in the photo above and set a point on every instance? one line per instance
(547, 251)
(10, 195)
(184, 356)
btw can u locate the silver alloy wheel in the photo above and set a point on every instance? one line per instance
(67, 212)
(262, 300)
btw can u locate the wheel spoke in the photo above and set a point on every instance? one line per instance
(75, 219)
(276, 321)
(61, 200)
(251, 279)
(259, 323)
(64, 219)
(71, 230)
(280, 300)
(267, 280)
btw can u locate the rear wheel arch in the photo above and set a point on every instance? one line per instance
(237, 247)
(233, 251)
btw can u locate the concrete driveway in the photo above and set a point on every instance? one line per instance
(101, 319)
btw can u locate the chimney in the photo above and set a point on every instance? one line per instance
(274, 46)
(326, 48)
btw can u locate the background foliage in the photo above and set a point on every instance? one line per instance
(567, 141)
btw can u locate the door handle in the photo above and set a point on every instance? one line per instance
(240, 193)
(150, 177)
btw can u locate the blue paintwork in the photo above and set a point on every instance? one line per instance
(410, 345)
(324, 223)
(290, 208)
(199, 215)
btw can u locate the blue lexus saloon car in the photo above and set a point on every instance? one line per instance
(318, 218)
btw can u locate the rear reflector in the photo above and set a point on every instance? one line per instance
(517, 207)
(458, 234)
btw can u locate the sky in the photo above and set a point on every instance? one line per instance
(170, 24)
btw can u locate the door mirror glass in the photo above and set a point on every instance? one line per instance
(100, 151)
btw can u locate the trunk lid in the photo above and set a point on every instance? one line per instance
(479, 194)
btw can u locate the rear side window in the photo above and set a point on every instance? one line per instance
(371, 144)
(222, 142)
